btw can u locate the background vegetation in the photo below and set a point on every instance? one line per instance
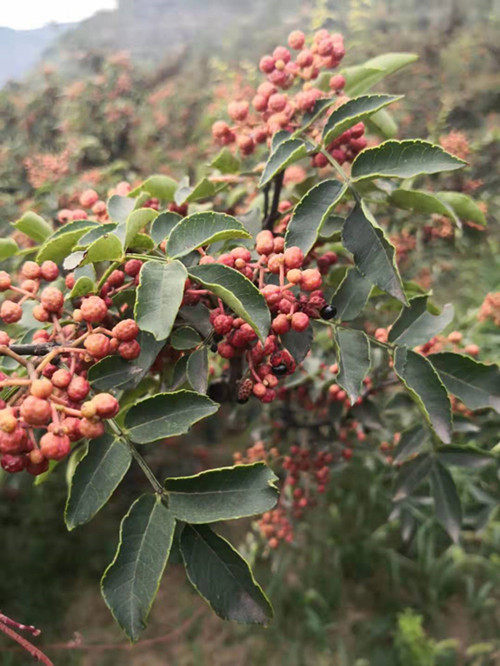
(350, 589)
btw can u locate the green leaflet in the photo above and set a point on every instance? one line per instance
(158, 186)
(360, 78)
(446, 500)
(34, 226)
(223, 577)
(352, 295)
(476, 384)
(286, 153)
(374, 255)
(353, 353)
(403, 159)
(416, 325)
(241, 295)
(201, 229)
(131, 581)
(226, 493)
(95, 478)
(352, 112)
(425, 386)
(167, 415)
(311, 212)
(159, 296)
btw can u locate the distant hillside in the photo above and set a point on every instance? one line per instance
(20, 50)
(154, 29)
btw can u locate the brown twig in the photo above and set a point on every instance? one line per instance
(101, 647)
(26, 645)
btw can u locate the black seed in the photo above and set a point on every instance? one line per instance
(280, 370)
(213, 347)
(328, 311)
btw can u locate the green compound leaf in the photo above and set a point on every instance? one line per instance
(137, 220)
(421, 202)
(226, 162)
(352, 295)
(411, 475)
(201, 229)
(106, 248)
(412, 441)
(226, 493)
(361, 78)
(353, 112)
(163, 224)
(298, 343)
(403, 159)
(353, 353)
(83, 286)
(286, 153)
(8, 248)
(374, 255)
(34, 226)
(95, 233)
(383, 124)
(446, 500)
(184, 338)
(59, 246)
(167, 415)
(119, 208)
(476, 384)
(463, 206)
(197, 370)
(222, 577)
(416, 325)
(158, 186)
(241, 295)
(311, 212)
(320, 106)
(466, 456)
(95, 478)
(159, 296)
(426, 388)
(131, 581)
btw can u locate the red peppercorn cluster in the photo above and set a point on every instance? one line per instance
(90, 206)
(46, 416)
(272, 110)
(52, 395)
(275, 526)
(292, 302)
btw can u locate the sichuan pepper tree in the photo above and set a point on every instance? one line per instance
(128, 322)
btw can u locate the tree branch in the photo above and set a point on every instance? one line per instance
(273, 215)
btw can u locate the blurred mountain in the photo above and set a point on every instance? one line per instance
(155, 30)
(20, 50)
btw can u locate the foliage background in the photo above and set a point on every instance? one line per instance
(349, 591)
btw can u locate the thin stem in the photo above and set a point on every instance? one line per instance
(340, 171)
(148, 472)
(36, 349)
(108, 272)
(29, 647)
(335, 325)
(271, 218)
(13, 353)
(266, 201)
(147, 257)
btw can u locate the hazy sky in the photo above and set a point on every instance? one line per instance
(27, 14)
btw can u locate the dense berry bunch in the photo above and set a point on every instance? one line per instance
(293, 300)
(48, 405)
(271, 109)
